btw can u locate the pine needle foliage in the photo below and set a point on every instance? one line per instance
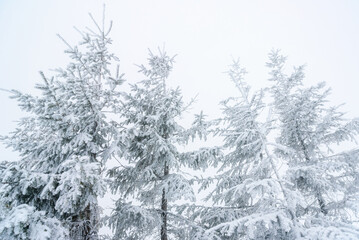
(64, 144)
(153, 178)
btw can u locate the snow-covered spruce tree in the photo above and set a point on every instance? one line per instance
(328, 179)
(23, 221)
(152, 178)
(250, 199)
(63, 144)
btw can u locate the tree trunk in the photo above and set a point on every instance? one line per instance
(87, 227)
(318, 194)
(321, 203)
(84, 226)
(164, 208)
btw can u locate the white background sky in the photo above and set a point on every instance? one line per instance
(205, 34)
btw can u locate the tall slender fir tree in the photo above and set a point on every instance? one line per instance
(250, 199)
(152, 178)
(328, 179)
(63, 144)
(315, 198)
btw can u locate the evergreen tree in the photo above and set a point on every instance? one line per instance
(64, 144)
(23, 221)
(316, 198)
(308, 127)
(250, 199)
(152, 178)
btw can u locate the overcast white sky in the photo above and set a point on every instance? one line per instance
(205, 34)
